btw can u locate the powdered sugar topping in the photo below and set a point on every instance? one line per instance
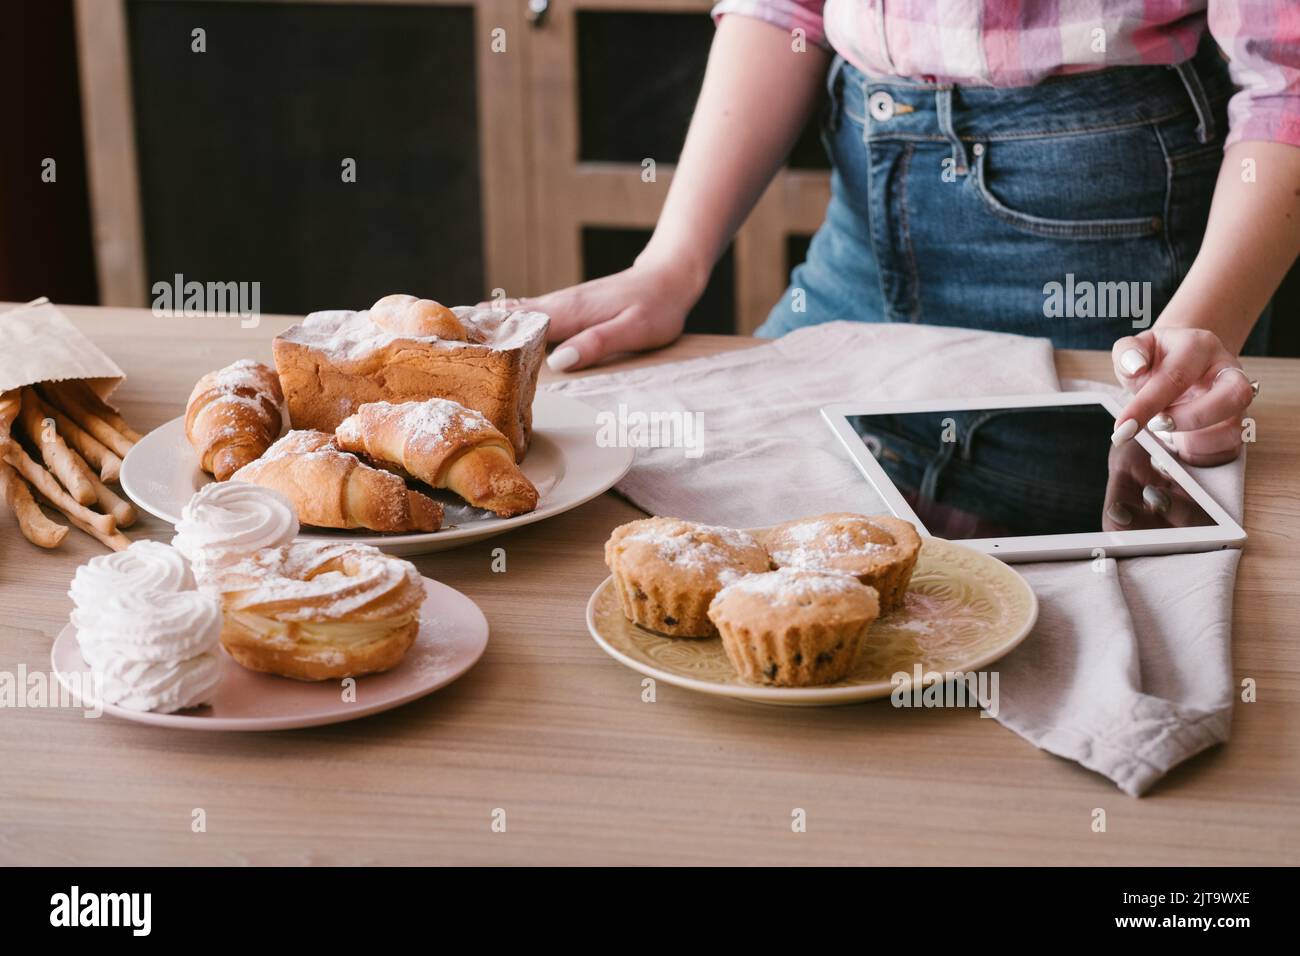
(244, 374)
(346, 335)
(817, 544)
(432, 418)
(310, 581)
(695, 547)
(792, 586)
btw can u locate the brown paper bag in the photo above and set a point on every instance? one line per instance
(39, 344)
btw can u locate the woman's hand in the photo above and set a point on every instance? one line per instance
(1186, 381)
(1139, 496)
(639, 308)
(759, 90)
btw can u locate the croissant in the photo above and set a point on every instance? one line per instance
(332, 489)
(233, 416)
(445, 445)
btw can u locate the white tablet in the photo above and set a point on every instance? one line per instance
(1030, 477)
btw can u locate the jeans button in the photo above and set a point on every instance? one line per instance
(881, 105)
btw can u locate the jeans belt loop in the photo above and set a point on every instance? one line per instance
(1205, 128)
(943, 110)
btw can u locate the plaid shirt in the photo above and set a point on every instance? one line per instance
(1019, 42)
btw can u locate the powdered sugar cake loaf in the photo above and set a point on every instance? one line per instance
(334, 362)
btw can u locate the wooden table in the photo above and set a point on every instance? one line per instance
(555, 733)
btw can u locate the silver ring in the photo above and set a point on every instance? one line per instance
(1252, 382)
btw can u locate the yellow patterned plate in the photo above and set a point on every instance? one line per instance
(964, 610)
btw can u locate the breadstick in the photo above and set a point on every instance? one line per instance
(36, 528)
(115, 539)
(109, 503)
(93, 450)
(9, 405)
(66, 399)
(100, 408)
(45, 485)
(61, 461)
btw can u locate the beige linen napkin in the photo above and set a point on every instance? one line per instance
(1128, 670)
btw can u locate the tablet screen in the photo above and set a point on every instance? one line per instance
(1008, 472)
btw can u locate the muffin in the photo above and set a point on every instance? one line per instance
(878, 550)
(667, 571)
(794, 628)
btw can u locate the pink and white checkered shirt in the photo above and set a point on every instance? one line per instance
(1019, 42)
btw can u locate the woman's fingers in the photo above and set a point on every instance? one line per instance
(1227, 398)
(571, 310)
(1132, 356)
(1219, 443)
(625, 333)
(1179, 367)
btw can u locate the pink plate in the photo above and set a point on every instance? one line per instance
(453, 634)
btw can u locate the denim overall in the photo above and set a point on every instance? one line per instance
(964, 206)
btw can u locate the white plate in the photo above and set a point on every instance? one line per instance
(564, 461)
(453, 634)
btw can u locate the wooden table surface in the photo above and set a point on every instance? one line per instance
(555, 733)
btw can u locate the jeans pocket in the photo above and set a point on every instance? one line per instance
(1047, 184)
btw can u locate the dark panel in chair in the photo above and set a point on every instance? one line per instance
(796, 251)
(1284, 333)
(639, 75)
(241, 149)
(45, 239)
(611, 250)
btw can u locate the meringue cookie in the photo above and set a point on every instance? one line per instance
(162, 688)
(145, 566)
(154, 650)
(227, 521)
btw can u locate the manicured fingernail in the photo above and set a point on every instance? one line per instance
(1132, 361)
(565, 357)
(1161, 423)
(1155, 499)
(1119, 514)
(1124, 432)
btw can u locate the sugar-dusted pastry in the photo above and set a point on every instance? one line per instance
(794, 628)
(316, 611)
(667, 571)
(233, 416)
(445, 445)
(149, 638)
(419, 318)
(879, 550)
(226, 521)
(330, 488)
(406, 349)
